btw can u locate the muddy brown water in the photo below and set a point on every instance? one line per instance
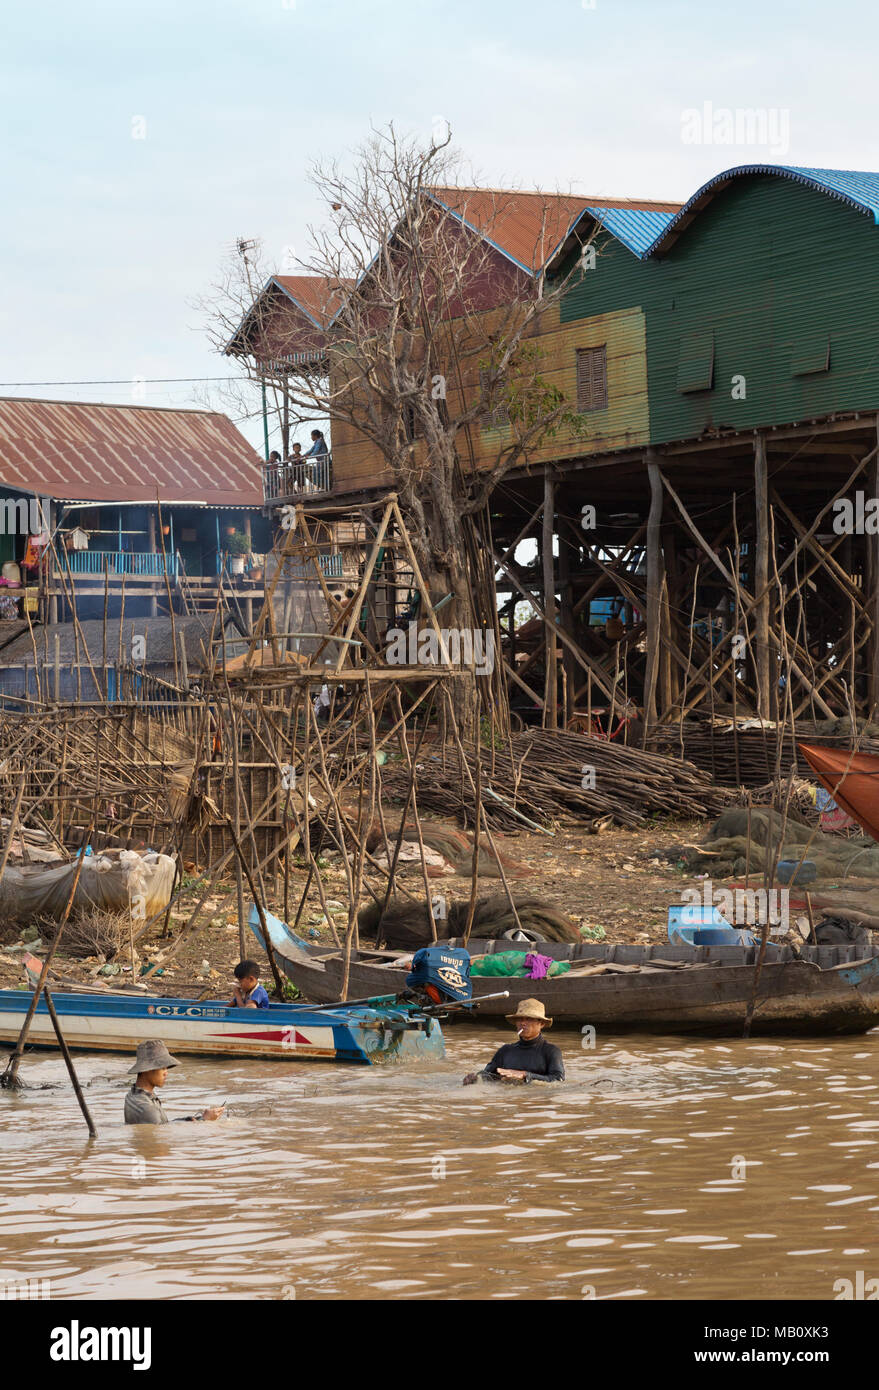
(664, 1169)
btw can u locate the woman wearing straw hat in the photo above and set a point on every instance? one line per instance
(142, 1105)
(530, 1057)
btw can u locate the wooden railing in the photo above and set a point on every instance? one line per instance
(331, 565)
(146, 563)
(290, 479)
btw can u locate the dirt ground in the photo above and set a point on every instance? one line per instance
(621, 881)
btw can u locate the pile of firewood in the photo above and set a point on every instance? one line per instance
(558, 778)
(754, 757)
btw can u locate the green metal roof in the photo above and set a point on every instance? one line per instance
(859, 189)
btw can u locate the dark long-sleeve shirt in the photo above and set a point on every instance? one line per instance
(538, 1057)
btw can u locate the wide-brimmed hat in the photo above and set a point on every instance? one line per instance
(151, 1056)
(531, 1008)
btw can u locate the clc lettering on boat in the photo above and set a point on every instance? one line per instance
(174, 1010)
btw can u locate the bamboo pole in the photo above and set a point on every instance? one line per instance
(68, 1062)
(9, 1077)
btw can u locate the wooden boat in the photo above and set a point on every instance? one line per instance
(663, 989)
(378, 1032)
(852, 779)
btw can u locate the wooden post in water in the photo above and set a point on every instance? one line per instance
(68, 1062)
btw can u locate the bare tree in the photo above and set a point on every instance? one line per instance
(430, 335)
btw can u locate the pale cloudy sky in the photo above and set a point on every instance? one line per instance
(107, 238)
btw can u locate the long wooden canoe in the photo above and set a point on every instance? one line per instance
(662, 989)
(852, 779)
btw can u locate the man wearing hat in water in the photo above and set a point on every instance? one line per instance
(142, 1105)
(531, 1057)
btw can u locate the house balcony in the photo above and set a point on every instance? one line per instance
(144, 564)
(332, 567)
(156, 579)
(283, 482)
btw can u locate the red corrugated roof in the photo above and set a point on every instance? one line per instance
(529, 227)
(125, 453)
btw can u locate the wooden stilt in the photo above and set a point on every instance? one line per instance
(873, 544)
(654, 589)
(567, 621)
(761, 579)
(549, 604)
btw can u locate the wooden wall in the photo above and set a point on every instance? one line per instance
(357, 463)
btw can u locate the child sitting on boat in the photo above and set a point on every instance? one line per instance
(247, 992)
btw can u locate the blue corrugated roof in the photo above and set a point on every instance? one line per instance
(859, 189)
(634, 227)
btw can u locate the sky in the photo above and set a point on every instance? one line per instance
(141, 140)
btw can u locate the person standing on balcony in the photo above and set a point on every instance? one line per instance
(294, 470)
(318, 445)
(319, 453)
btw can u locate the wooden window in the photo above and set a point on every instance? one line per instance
(811, 355)
(592, 378)
(696, 361)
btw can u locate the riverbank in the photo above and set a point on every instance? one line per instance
(620, 882)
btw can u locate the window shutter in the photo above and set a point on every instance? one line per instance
(696, 361)
(498, 417)
(811, 355)
(592, 378)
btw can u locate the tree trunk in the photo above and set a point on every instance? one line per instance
(433, 512)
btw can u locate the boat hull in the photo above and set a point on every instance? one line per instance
(793, 997)
(284, 1033)
(852, 779)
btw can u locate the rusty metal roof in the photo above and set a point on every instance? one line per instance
(317, 296)
(79, 452)
(530, 227)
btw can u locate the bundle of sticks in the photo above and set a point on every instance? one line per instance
(749, 757)
(559, 777)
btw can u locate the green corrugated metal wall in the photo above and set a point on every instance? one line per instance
(773, 269)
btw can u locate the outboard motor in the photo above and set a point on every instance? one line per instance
(441, 974)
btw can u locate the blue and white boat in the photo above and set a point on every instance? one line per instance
(375, 1032)
(695, 924)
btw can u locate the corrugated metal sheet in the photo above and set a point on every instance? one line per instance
(786, 278)
(160, 636)
(636, 228)
(859, 189)
(530, 227)
(318, 297)
(110, 453)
